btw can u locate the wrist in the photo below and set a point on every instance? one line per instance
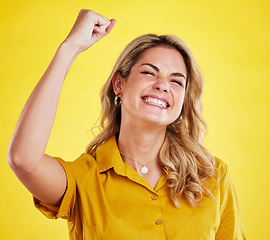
(69, 49)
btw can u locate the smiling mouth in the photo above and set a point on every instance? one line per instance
(156, 102)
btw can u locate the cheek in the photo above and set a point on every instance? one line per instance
(183, 96)
(180, 97)
(179, 103)
(136, 86)
(131, 92)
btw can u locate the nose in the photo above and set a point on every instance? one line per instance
(161, 85)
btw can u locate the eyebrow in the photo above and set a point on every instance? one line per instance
(176, 74)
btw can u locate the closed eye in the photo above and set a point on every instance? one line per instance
(177, 82)
(148, 73)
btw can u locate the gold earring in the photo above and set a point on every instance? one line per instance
(117, 100)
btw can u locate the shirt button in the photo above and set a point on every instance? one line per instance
(154, 197)
(158, 222)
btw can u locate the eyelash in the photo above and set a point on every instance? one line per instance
(178, 82)
(145, 72)
(174, 81)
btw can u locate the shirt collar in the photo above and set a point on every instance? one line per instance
(108, 156)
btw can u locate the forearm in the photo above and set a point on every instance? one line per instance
(35, 123)
(41, 174)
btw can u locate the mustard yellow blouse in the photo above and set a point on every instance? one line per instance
(107, 199)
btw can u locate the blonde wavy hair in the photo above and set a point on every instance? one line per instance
(182, 154)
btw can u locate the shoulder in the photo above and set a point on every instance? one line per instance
(85, 163)
(221, 167)
(83, 160)
(224, 177)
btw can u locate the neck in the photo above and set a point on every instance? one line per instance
(141, 143)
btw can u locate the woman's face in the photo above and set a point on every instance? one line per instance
(155, 88)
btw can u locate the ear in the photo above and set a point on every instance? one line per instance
(118, 82)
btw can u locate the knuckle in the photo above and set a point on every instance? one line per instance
(83, 10)
(86, 11)
(90, 13)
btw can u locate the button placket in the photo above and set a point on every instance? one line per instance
(154, 197)
(158, 222)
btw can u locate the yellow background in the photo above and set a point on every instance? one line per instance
(230, 40)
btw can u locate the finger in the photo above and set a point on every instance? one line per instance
(107, 30)
(101, 23)
(111, 26)
(100, 28)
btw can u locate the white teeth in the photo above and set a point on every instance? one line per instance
(156, 102)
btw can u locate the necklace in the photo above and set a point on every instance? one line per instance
(144, 170)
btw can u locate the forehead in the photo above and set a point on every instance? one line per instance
(163, 56)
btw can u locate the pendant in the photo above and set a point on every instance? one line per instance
(144, 170)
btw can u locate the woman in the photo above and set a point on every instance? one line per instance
(146, 174)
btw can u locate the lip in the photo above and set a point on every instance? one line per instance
(158, 98)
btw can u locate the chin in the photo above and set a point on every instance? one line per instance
(155, 121)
